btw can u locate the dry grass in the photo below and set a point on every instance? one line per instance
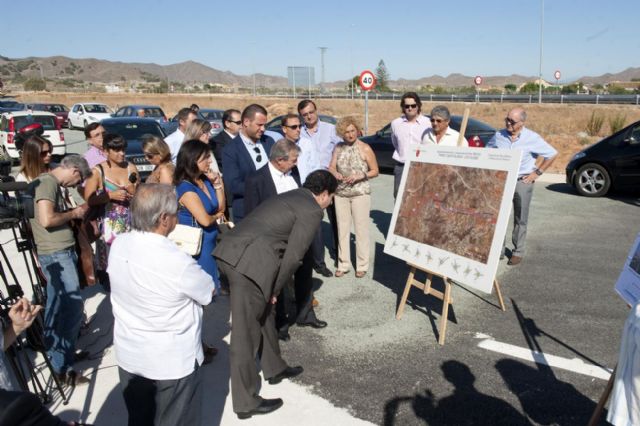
(563, 126)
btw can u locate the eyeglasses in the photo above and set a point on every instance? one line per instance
(235, 122)
(44, 153)
(259, 156)
(294, 127)
(148, 155)
(436, 120)
(510, 121)
(307, 114)
(410, 106)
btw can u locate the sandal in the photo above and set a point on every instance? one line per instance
(360, 274)
(340, 273)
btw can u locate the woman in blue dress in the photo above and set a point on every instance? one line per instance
(201, 196)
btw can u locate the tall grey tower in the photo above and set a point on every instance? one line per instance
(322, 52)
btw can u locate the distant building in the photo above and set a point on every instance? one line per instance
(112, 88)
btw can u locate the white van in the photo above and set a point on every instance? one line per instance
(11, 122)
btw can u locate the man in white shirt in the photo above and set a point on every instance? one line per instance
(440, 133)
(308, 158)
(157, 293)
(406, 130)
(175, 139)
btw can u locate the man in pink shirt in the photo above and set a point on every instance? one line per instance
(95, 154)
(406, 130)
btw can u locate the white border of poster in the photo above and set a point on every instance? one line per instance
(628, 284)
(461, 269)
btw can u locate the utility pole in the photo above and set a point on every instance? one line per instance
(322, 52)
(541, 44)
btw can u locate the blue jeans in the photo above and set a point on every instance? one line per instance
(63, 313)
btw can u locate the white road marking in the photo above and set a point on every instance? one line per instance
(576, 365)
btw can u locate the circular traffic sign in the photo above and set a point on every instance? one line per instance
(477, 80)
(367, 80)
(557, 74)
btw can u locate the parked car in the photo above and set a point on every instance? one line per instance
(213, 116)
(275, 125)
(150, 111)
(614, 162)
(477, 134)
(132, 129)
(11, 122)
(8, 105)
(61, 111)
(83, 114)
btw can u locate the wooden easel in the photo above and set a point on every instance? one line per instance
(445, 297)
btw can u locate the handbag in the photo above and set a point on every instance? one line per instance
(187, 238)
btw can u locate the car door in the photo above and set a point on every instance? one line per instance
(626, 159)
(73, 116)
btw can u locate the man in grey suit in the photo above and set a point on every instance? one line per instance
(259, 256)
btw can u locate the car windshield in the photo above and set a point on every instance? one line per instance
(57, 108)
(153, 112)
(211, 115)
(133, 130)
(96, 108)
(48, 122)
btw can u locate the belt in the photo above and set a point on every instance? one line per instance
(521, 178)
(398, 163)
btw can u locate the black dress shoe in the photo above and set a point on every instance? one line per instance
(314, 324)
(265, 407)
(284, 336)
(81, 355)
(287, 373)
(323, 270)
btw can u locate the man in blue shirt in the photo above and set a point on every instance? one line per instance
(516, 136)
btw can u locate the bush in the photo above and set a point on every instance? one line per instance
(617, 122)
(35, 84)
(594, 125)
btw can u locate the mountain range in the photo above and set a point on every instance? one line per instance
(90, 70)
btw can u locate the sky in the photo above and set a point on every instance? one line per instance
(414, 38)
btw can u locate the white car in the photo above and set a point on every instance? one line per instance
(11, 122)
(81, 115)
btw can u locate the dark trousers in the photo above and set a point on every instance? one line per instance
(253, 334)
(303, 293)
(398, 169)
(25, 409)
(317, 245)
(162, 402)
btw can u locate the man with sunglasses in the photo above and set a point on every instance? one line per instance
(516, 136)
(231, 125)
(406, 130)
(245, 154)
(95, 155)
(440, 133)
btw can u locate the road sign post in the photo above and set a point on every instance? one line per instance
(477, 81)
(367, 82)
(557, 76)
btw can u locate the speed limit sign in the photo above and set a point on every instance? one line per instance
(557, 74)
(367, 80)
(477, 80)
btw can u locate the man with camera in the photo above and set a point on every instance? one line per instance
(55, 244)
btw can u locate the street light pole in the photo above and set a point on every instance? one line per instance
(541, 44)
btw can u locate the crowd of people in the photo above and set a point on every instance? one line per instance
(275, 189)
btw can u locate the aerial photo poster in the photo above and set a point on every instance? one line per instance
(628, 284)
(452, 211)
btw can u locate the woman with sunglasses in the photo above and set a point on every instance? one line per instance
(157, 152)
(35, 158)
(200, 129)
(112, 185)
(353, 164)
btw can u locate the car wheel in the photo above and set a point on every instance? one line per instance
(592, 180)
(70, 126)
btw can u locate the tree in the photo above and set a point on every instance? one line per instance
(382, 75)
(510, 88)
(35, 84)
(354, 83)
(530, 87)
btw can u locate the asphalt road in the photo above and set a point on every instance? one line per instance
(560, 301)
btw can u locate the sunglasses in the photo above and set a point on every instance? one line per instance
(44, 153)
(410, 106)
(235, 122)
(259, 156)
(294, 127)
(510, 121)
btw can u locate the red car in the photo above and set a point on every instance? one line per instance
(61, 111)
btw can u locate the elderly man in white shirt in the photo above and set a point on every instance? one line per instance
(157, 293)
(440, 133)
(175, 139)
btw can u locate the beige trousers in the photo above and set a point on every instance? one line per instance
(357, 208)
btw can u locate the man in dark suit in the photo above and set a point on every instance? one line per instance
(245, 154)
(231, 124)
(278, 176)
(259, 256)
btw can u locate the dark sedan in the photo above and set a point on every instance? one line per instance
(614, 162)
(477, 134)
(132, 129)
(8, 105)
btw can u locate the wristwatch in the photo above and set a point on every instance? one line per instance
(538, 172)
